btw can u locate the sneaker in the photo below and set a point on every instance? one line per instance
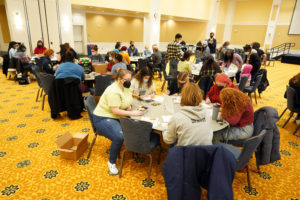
(19, 75)
(112, 168)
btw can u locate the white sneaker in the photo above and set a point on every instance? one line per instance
(112, 168)
(19, 75)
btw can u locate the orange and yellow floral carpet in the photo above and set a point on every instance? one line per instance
(30, 166)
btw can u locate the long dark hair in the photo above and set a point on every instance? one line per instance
(228, 58)
(69, 56)
(211, 64)
(145, 71)
(186, 55)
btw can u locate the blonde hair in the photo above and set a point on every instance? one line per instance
(121, 73)
(155, 47)
(191, 95)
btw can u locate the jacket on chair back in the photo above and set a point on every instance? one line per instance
(65, 95)
(268, 151)
(186, 168)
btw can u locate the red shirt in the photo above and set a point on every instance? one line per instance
(39, 50)
(214, 93)
(243, 119)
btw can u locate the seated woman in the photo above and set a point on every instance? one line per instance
(294, 82)
(205, 51)
(117, 47)
(125, 55)
(47, 63)
(222, 81)
(233, 58)
(222, 50)
(178, 83)
(246, 71)
(39, 49)
(119, 64)
(69, 68)
(114, 103)
(237, 110)
(210, 68)
(156, 57)
(62, 53)
(142, 84)
(96, 57)
(189, 126)
(111, 60)
(184, 65)
(147, 52)
(25, 65)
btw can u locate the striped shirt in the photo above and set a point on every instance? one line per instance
(173, 51)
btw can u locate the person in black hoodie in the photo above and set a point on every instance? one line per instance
(253, 59)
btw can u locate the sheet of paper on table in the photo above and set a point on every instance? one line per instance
(166, 118)
(176, 99)
(153, 120)
(158, 98)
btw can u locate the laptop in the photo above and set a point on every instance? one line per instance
(169, 104)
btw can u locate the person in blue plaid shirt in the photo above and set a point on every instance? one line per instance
(173, 54)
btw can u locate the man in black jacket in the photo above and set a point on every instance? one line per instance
(212, 44)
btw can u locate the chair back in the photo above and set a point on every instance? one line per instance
(249, 147)
(15, 63)
(36, 72)
(257, 82)
(46, 81)
(268, 57)
(136, 135)
(142, 62)
(243, 82)
(90, 105)
(291, 96)
(101, 83)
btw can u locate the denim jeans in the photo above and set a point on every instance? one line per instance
(234, 133)
(173, 67)
(111, 129)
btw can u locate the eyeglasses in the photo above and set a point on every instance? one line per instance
(126, 79)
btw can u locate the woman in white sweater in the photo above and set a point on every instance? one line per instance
(189, 126)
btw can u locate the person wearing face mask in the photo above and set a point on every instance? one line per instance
(253, 59)
(123, 52)
(96, 57)
(142, 84)
(110, 59)
(178, 83)
(47, 65)
(132, 50)
(119, 64)
(212, 44)
(237, 110)
(205, 51)
(39, 49)
(222, 81)
(114, 103)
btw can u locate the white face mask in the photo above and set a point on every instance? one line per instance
(110, 58)
(246, 53)
(93, 53)
(145, 80)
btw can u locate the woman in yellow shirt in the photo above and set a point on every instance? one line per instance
(114, 103)
(184, 65)
(125, 55)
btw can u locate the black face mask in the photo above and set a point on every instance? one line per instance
(221, 87)
(127, 84)
(132, 45)
(40, 46)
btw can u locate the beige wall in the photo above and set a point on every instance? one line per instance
(281, 36)
(4, 25)
(191, 31)
(222, 11)
(109, 28)
(220, 33)
(286, 11)
(242, 35)
(196, 9)
(130, 5)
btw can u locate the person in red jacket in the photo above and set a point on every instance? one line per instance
(222, 81)
(237, 110)
(40, 49)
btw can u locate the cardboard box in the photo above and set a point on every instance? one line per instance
(72, 148)
(100, 67)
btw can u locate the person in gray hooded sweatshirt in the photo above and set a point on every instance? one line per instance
(189, 126)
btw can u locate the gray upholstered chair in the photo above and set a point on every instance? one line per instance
(46, 83)
(252, 89)
(243, 156)
(101, 83)
(138, 138)
(243, 83)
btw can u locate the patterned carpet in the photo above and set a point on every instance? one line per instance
(31, 167)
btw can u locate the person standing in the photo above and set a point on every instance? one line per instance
(173, 54)
(212, 43)
(132, 50)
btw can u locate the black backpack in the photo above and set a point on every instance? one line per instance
(23, 80)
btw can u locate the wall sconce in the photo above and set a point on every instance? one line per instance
(18, 21)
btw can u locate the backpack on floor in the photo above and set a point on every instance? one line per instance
(23, 80)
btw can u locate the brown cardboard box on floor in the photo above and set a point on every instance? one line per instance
(72, 148)
(100, 67)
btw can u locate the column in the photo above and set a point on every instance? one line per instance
(229, 20)
(152, 24)
(213, 18)
(272, 24)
